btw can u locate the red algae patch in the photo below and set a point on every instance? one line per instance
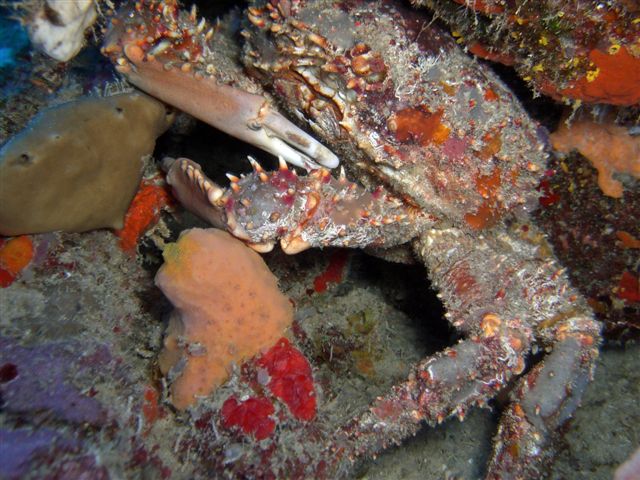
(252, 416)
(333, 273)
(227, 309)
(290, 379)
(628, 240)
(629, 287)
(151, 408)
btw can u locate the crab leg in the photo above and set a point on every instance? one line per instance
(543, 400)
(171, 56)
(315, 210)
(497, 342)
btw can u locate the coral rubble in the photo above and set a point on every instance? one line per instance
(77, 166)
(228, 308)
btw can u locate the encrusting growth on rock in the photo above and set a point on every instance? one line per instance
(227, 309)
(58, 27)
(609, 147)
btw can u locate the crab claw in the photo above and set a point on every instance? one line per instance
(194, 190)
(244, 115)
(204, 198)
(284, 139)
(262, 208)
(193, 66)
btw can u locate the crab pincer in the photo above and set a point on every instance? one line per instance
(195, 68)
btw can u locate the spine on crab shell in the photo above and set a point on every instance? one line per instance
(315, 210)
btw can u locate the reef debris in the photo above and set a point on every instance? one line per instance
(227, 309)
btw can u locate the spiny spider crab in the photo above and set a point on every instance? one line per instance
(449, 162)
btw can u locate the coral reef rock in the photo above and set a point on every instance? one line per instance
(228, 308)
(579, 51)
(77, 166)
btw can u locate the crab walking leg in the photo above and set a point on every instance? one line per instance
(528, 303)
(543, 400)
(244, 115)
(301, 212)
(448, 383)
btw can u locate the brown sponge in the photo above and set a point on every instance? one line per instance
(76, 166)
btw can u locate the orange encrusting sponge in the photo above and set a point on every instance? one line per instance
(227, 309)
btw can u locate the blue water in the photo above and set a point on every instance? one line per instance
(13, 40)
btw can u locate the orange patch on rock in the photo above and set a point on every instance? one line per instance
(617, 81)
(492, 145)
(486, 216)
(487, 185)
(629, 287)
(490, 95)
(150, 407)
(482, 6)
(414, 125)
(143, 213)
(628, 240)
(483, 52)
(15, 255)
(609, 147)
